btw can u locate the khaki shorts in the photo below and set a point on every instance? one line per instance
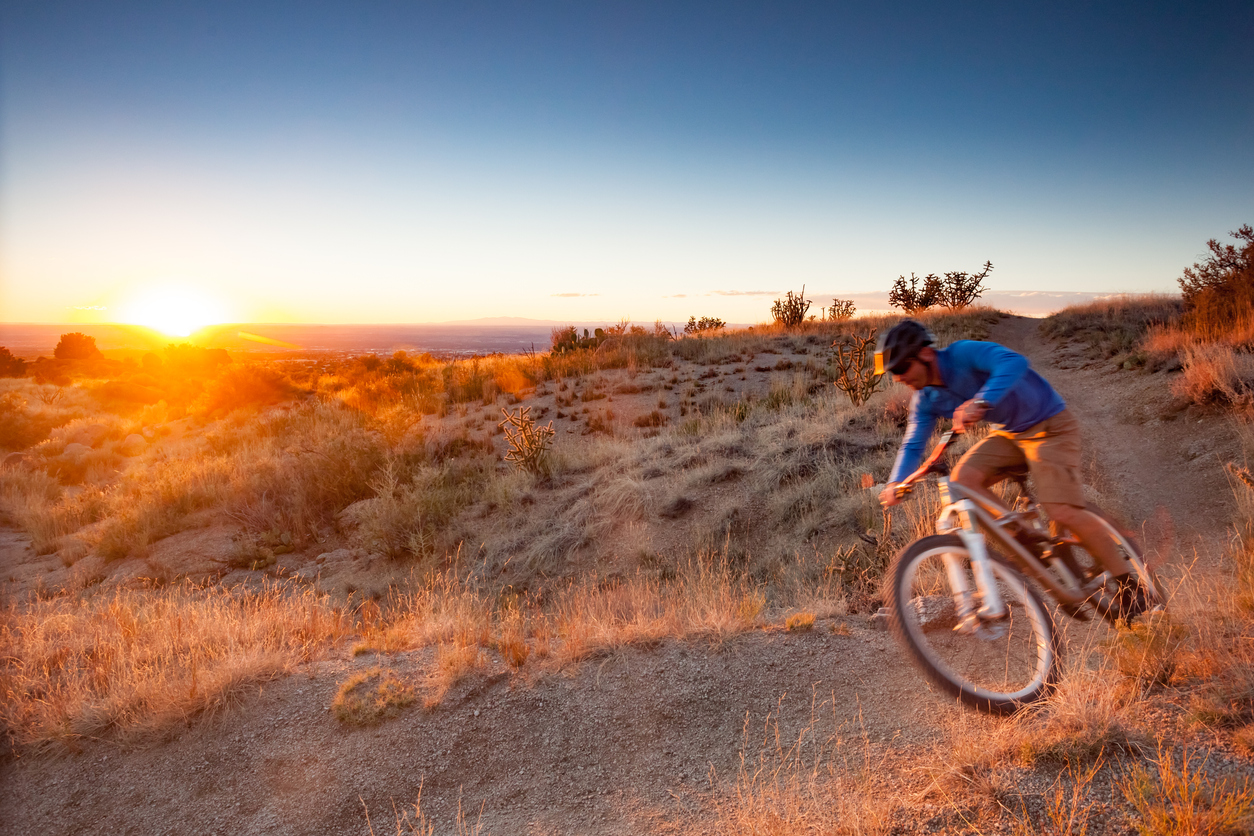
(1051, 451)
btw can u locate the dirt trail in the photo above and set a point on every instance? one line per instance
(613, 745)
(1160, 469)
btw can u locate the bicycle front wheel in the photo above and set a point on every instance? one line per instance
(997, 666)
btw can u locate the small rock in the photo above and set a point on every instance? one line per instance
(356, 513)
(306, 573)
(879, 621)
(197, 553)
(133, 445)
(15, 460)
(75, 449)
(90, 435)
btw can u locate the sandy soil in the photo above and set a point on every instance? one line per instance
(621, 744)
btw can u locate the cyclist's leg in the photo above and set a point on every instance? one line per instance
(1092, 535)
(987, 463)
(1052, 448)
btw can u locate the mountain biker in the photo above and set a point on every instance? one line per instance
(971, 381)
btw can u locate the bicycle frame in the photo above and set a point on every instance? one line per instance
(971, 516)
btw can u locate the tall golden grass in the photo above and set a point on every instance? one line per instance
(134, 663)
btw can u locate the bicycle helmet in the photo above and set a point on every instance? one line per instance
(901, 344)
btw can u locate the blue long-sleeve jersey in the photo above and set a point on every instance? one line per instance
(970, 369)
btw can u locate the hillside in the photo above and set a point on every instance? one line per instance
(649, 576)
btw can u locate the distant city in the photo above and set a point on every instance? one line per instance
(30, 340)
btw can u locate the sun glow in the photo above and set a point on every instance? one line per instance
(172, 310)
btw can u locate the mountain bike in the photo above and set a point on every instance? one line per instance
(976, 620)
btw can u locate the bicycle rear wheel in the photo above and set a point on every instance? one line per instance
(1001, 666)
(1139, 592)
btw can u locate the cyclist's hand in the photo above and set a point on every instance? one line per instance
(888, 496)
(968, 415)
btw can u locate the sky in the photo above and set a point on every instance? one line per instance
(396, 162)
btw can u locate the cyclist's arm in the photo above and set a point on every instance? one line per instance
(1005, 368)
(914, 444)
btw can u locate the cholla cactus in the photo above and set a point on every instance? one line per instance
(855, 375)
(790, 311)
(528, 444)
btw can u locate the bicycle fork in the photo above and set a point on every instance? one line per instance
(991, 607)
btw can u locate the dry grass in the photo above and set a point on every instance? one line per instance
(414, 821)
(801, 622)
(135, 663)
(829, 779)
(1216, 374)
(1116, 326)
(370, 697)
(1176, 797)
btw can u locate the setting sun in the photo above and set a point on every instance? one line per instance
(177, 311)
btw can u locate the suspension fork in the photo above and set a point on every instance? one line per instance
(991, 605)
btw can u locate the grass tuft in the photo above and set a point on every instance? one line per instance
(1178, 798)
(369, 698)
(800, 622)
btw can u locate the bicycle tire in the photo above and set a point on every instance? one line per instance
(994, 674)
(1113, 603)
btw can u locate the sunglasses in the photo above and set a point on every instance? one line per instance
(902, 368)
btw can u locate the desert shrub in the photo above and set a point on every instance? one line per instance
(1178, 797)
(311, 463)
(705, 323)
(567, 339)
(409, 514)
(11, 366)
(1219, 291)
(800, 622)
(914, 299)
(958, 290)
(121, 395)
(652, 419)
(1148, 651)
(840, 310)
(36, 503)
(292, 471)
(790, 311)
(76, 346)
(19, 426)
(251, 386)
(464, 382)
(370, 697)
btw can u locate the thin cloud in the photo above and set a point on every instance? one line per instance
(572, 295)
(676, 296)
(743, 293)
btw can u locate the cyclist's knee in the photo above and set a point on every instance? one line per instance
(1064, 514)
(965, 474)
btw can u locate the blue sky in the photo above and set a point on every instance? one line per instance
(389, 162)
